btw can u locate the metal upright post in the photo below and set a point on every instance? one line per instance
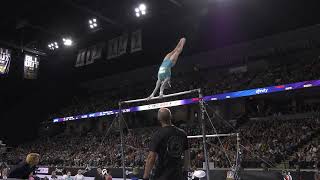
(238, 159)
(122, 143)
(202, 120)
(238, 150)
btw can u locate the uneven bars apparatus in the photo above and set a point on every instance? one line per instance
(202, 108)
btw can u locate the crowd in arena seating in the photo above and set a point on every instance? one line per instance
(263, 141)
(275, 140)
(87, 149)
(284, 74)
(308, 154)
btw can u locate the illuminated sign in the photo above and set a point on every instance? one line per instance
(31, 67)
(5, 57)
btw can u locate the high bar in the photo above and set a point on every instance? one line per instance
(213, 135)
(165, 96)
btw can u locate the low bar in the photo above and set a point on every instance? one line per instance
(213, 135)
(165, 96)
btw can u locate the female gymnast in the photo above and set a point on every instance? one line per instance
(164, 73)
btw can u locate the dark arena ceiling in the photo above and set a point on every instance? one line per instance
(35, 23)
(207, 25)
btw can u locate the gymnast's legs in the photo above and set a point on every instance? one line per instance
(174, 55)
(165, 85)
(158, 84)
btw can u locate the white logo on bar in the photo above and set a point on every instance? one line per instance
(260, 91)
(125, 110)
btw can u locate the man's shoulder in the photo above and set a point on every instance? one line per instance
(181, 131)
(164, 131)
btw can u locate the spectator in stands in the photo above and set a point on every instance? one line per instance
(64, 174)
(79, 176)
(53, 176)
(68, 176)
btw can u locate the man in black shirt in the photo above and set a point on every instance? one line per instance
(168, 151)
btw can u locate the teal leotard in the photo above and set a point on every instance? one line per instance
(165, 69)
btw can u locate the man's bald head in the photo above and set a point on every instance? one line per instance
(164, 115)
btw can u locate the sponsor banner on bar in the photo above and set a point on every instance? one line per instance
(160, 105)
